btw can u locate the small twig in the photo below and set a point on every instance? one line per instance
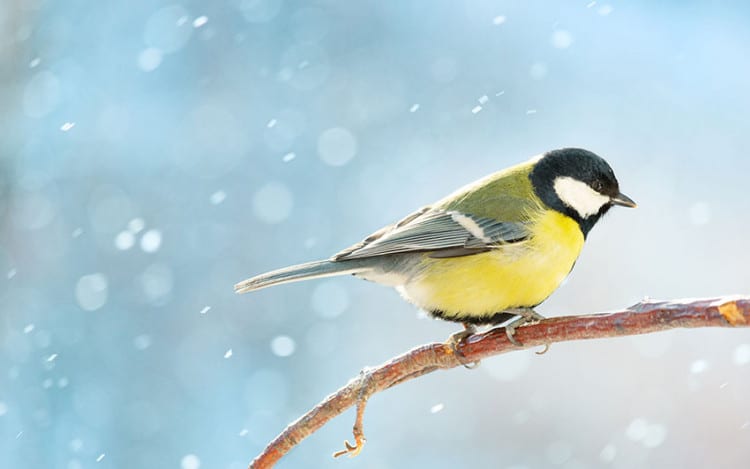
(642, 318)
(358, 430)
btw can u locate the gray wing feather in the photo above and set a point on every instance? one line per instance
(500, 232)
(445, 233)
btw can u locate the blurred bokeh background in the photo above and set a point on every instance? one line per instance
(153, 154)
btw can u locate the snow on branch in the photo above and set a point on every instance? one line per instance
(642, 318)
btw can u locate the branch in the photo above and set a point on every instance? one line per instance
(642, 318)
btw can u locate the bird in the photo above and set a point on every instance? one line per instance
(490, 252)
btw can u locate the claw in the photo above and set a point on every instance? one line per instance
(455, 340)
(510, 332)
(526, 316)
(460, 336)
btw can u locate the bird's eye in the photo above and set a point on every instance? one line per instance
(598, 186)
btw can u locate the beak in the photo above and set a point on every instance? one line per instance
(623, 201)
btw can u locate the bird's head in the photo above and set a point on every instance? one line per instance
(577, 183)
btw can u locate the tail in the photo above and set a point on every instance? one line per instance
(295, 273)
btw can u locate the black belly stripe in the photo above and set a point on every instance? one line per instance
(491, 319)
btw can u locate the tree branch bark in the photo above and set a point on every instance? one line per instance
(642, 318)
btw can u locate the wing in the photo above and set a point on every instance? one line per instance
(444, 233)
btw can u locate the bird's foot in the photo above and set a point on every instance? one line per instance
(455, 340)
(460, 336)
(526, 316)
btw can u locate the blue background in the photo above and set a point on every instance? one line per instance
(150, 158)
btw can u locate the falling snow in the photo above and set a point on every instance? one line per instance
(218, 197)
(699, 366)
(151, 241)
(561, 39)
(124, 240)
(605, 9)
(337, 146)
(637, 429)
(608, 453)
(92, 291)
(149, 59)
(283, 346)
(437, 408)
(200, 21)
(142, 342)
(136, 225)
(655, 436)
(228, 353)
(650, 435)
(190, 461)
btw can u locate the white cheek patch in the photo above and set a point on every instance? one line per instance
(579, 196)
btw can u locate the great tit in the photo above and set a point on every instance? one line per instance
(489, 252)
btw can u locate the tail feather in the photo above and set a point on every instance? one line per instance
(295, 273)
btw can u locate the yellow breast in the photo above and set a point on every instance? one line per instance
(517, 275)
